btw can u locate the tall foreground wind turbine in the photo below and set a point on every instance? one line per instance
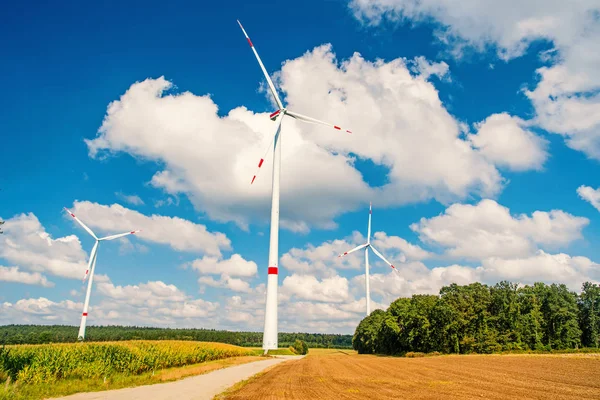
(368, 246)
(90, 270)
(270, 330)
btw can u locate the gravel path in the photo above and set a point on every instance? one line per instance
(201, 387)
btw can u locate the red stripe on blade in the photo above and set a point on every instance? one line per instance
(345, 253)
(337, 127)
(349, 131)
(250, 42)
(393, 267)
(260, 163)
(253, 179)
(274, 114)
(85, 314)
(272, 270)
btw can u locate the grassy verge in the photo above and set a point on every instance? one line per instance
(70, 386)
(279, 352)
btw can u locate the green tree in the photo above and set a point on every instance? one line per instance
(505, 316)
(589, 314)
(532, 320)
(483, 319)
(417, 324)
(470, 303)
(300, 347)
(365, 337)
(560, 311)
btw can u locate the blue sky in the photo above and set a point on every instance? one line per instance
(475, 134)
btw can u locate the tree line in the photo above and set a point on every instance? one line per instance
(37, 334)
(478, 318)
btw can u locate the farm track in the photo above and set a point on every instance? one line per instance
(339, 376)
(202, 387)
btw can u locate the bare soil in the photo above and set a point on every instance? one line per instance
(345, 375)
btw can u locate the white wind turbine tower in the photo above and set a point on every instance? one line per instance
(368, 246)
(90, 269)
(270, 328)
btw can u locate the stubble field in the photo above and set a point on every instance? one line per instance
(346, 375)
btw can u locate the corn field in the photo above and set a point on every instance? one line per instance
(48, 363)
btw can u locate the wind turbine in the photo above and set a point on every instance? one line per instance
(90, 269)
(270, 327)
(368, 246)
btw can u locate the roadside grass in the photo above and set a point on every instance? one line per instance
(279, 352)
(17, 391)
(318, 351)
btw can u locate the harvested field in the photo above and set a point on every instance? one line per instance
(350, 376)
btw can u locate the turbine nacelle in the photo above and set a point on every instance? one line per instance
(276, 114)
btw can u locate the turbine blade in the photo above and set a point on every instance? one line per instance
(369, 230)
(362, 246)
(313, 120)
(269, 81)
(92, 259)
(81, 223)
(378, 254)
(271, 146)
(111, 237)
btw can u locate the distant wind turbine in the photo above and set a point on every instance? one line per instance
(270, 328)
(368, 246)
(90, 269)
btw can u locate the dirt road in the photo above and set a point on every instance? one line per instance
(202, 387)
(350, 376)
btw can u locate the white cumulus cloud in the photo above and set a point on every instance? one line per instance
(567, 97)
(395, 113)
(590, 195)
(307, 287)
(505, 141)
(488, 229)
(235, 265)
(14, 274)
(27, 245)
(176, 232)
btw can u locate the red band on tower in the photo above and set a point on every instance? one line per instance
(85, 314)
(272, 270)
